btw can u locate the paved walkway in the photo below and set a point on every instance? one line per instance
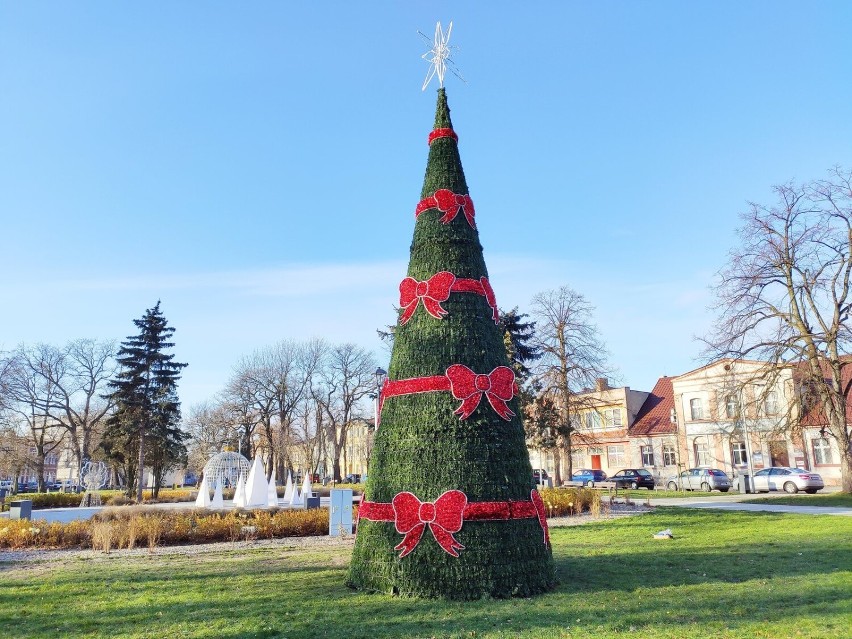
(64, 515)
(730, 501)
(734, 502)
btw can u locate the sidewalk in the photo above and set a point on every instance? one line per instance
(733, 502)
(64, 515)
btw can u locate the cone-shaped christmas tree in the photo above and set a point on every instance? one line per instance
(450, 508)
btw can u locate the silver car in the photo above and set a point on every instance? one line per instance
(705, 479)
(790, 480)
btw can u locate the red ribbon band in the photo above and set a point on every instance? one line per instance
(449, 204)
(437, 289)
(446, 515)
(442, 133)
(498, 386)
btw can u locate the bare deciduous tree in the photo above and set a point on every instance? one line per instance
(785, 296)
(347, 376)
(210, 426)
(79, 403)
(264, 392)
(30, 392)
(573, 356)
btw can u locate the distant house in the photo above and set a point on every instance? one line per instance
(820, 449)
(654, 435)
(737, 415)
(601, 421)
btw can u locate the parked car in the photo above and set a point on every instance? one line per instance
(790, 480)
(705, 479)
(634, 478)
(29, 487)
(588, 476)
(540, 476)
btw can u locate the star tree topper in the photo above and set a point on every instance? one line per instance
(438, 56)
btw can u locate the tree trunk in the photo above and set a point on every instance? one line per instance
(846, 468)
(140, 467)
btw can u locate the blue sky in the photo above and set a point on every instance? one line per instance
(256, 165)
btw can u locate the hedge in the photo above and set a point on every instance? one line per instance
(130, 527)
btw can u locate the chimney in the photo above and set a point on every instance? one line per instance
(601, 384)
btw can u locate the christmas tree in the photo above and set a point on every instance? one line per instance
(450, 509)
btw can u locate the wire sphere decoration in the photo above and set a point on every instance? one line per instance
(225, 469)
(93, 477)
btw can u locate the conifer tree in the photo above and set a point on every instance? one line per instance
(450, 507)
(144, 392)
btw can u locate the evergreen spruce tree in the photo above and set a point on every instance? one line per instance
(450, 508)
(518, 336)
(147, 416)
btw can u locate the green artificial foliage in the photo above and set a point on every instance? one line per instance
(423, 448)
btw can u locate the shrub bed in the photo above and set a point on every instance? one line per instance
(42, 501)
(47, 500)
(141, 526)
(565, 502)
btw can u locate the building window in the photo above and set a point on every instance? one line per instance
(702, 453)
(578, 455)
(696, 409)
(739, 456)
(647, 455)
(615, 456)
(770, 403)
(612, 417)
(732, 407)
(593, 420)
(822, 451)
(669, 456)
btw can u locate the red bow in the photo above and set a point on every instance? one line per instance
(498, 386)
(444, 517)
(538, 502)
(449, 204)
(432, 291)
(489, 297)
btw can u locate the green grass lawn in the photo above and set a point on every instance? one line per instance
(724, 575)
(829, 499)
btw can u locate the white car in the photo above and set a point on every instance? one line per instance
(790, 480)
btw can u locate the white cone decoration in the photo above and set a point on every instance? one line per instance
(257, 487)
(240, 493)
(288, 488)
(272, 493)
(217, 502)
(296, 498)
(203, 499)
(307, 489)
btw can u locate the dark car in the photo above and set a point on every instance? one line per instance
(540, 476)
(634, 478)
(588, 476)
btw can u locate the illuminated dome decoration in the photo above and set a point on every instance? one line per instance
(225, 468)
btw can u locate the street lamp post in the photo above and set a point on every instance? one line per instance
(679, 462)
(381, 375)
